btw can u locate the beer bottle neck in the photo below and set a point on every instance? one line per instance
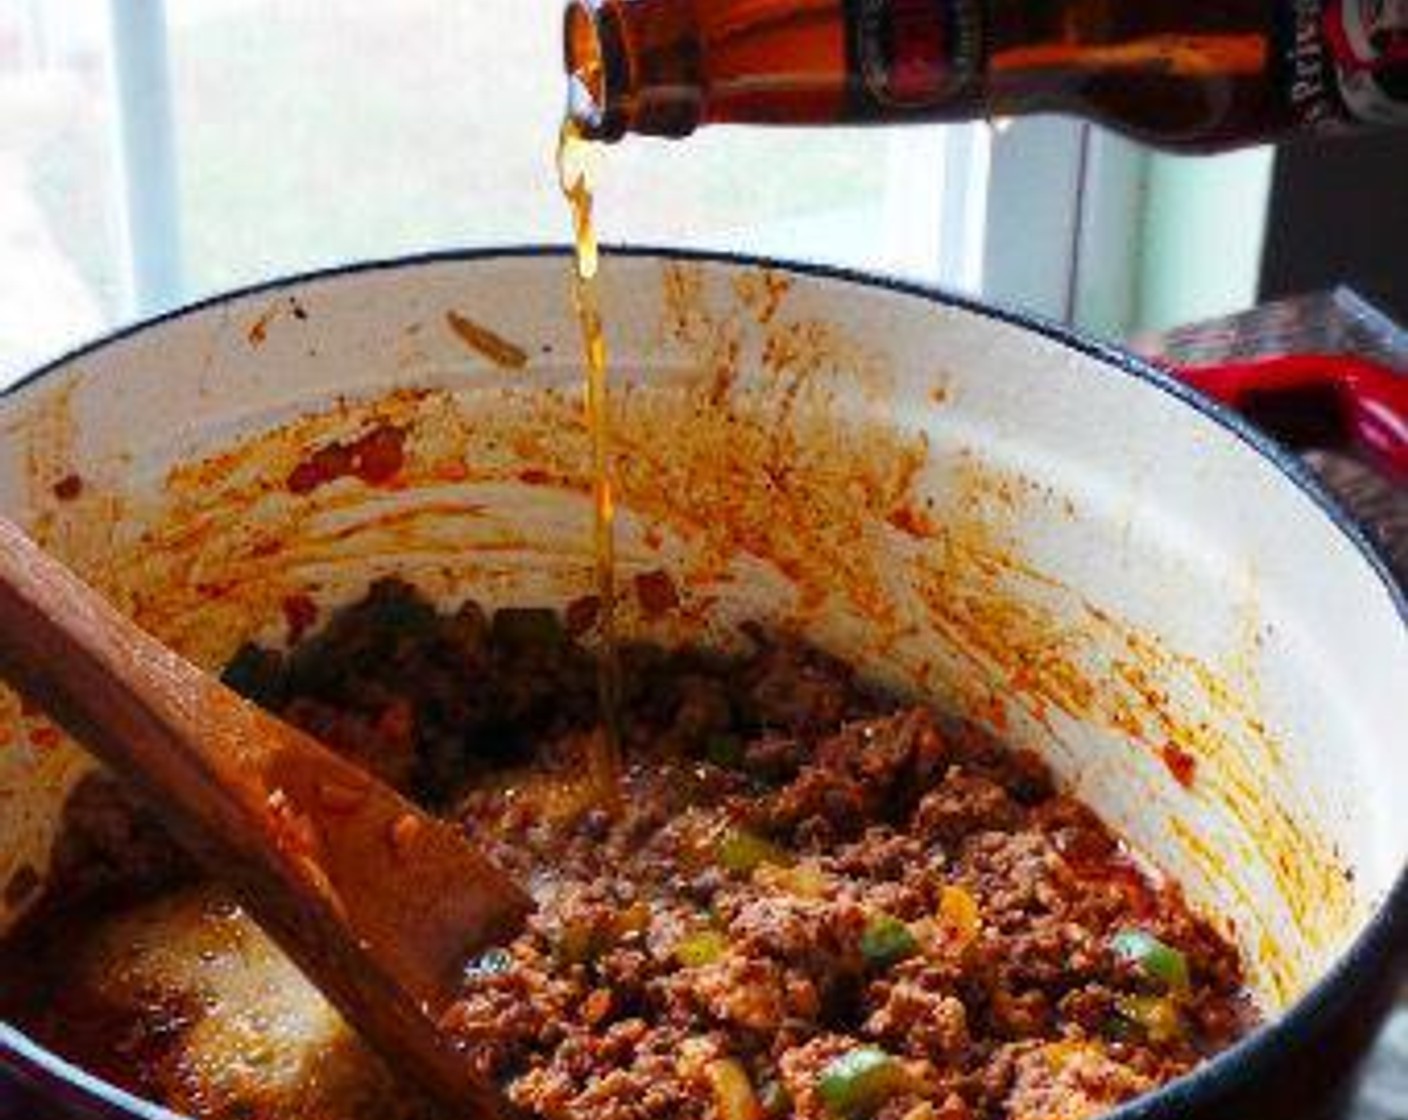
(664, 67)
(1164, 68)
(633, 67)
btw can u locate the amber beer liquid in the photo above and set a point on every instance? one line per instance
(1183, 74)
(574, 170)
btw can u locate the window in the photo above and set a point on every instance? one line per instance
(153, 153)
(61, 276)
(303, 137)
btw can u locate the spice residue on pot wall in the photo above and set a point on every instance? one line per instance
(772, 472)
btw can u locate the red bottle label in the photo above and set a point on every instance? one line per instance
(1368, 40)
(1347, 60)
(915, 54)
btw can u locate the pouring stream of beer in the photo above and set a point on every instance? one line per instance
(576, 158)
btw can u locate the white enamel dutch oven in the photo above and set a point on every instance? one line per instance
(1036, 532)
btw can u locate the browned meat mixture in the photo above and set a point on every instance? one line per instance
(815, 901)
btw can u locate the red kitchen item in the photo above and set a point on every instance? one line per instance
(1327, 401)
(1325, 371)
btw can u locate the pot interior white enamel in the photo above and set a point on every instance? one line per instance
(1032, 534)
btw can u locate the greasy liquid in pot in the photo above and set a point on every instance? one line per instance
(575, 165)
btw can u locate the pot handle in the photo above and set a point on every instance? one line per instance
(1318, 401)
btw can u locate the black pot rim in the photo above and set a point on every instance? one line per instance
(1383, 937)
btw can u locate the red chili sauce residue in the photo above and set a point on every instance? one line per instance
(909, 520)
(581, 614)
(375, 458)
(45, 738)
(488, 344)
(1182, 765)
(68, 488)
(1097, 856)
(656, 592)
(258, 332)
(300, 613)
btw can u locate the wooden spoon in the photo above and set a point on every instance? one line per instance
(378, 903)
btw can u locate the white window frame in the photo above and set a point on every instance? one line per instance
(1024, 255)
(151, 210)
(1050, 215)
(1089, 228)
(1045, 215)
(1064, 222)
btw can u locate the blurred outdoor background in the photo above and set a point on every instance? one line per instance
(148, 162)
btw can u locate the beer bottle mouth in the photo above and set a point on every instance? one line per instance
(626, 70)
(592, 60)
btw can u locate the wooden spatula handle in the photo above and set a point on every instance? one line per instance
(378, 903)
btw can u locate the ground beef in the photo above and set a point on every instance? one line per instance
(833, 903)
(920, 1021)
(1069, 1081)
(962, 804)
(110, 848)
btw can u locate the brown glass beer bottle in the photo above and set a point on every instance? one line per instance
(1189, 74)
